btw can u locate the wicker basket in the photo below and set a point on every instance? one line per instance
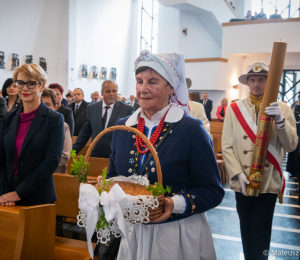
(153, 213)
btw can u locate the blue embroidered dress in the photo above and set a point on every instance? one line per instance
(189, 167)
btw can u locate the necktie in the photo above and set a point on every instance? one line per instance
(204, 102)
(105, 116)
(76, 108)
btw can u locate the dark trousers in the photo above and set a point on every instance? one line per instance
(256, 215)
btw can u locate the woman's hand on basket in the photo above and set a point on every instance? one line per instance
(168, 208)
(99, 182)
(99, 178)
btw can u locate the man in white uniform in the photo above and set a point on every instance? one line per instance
(256, 213)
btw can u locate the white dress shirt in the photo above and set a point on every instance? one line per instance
(109, 111)
(132, 102)
(79, 104)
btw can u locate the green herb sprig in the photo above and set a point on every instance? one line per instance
(158, 189)
(79, 168)
(102, 222)
(105, 183)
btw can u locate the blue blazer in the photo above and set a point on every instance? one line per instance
(187, 162)
(39, 156)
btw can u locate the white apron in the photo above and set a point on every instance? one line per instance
(186, 239)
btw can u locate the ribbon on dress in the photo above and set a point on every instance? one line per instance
(88, 203)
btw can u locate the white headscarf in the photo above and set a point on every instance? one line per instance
(171, 67)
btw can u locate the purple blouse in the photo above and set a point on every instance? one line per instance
(24, 124)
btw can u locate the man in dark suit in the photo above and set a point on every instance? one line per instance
(208, 105)
(133, 103)
(100, 116)
(79, 109)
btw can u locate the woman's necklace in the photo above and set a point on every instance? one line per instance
(141, 125)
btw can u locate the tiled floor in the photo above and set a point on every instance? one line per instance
(224, 223)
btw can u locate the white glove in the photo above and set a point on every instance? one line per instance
(274, 110)
(243, 181)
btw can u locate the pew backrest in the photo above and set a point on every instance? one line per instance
(67, 192)
(216, 129)
(27, 232)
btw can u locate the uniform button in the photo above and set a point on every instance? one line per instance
(245, 136)
(245, 152)
(21, 163)
(267, 165)
(245, 166)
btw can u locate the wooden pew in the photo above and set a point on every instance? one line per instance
(27, 232)
(85, 148)
(220, 162)
(215, 144)
(216, 129)
(67, 191)
(96, 165)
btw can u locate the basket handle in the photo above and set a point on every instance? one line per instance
(137, 132)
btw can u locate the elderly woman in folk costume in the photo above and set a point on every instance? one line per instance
(187, 161)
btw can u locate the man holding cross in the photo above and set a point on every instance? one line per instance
(256, 213)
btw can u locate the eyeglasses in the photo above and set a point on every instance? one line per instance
(30, 84)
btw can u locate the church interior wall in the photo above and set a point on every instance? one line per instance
(259, 38)
(198, 43)
(167, 38)
(103, 40)
(41, 31)
(168, 29)
(107, 33)
(217, 79)
(133, 49)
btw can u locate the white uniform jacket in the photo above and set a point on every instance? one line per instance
(237, 147)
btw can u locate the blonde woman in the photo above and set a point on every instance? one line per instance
(32, 140)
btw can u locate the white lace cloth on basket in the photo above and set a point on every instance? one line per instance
(134, 209)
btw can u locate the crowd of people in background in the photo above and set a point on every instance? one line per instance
(80, 116)
(73, 106)
(261, 15)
